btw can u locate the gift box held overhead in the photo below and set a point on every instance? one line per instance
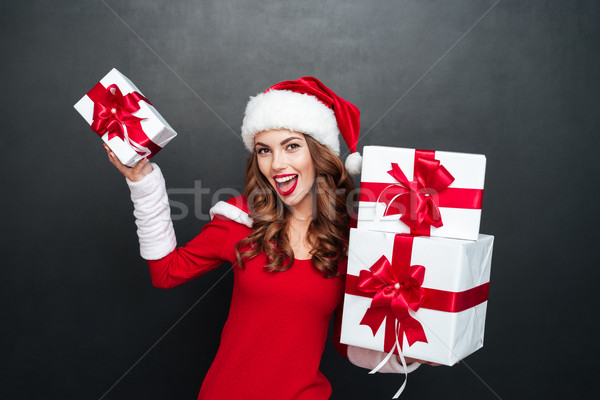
(428, 294)
(433, 193)
(125, 120)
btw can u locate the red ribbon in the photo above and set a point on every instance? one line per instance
(419, 200)
(396, 287)
(113, 111)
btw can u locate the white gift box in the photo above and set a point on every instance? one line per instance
(154, 126)
(452, 268)
(459, 205)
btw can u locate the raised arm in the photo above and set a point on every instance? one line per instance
(169, 265)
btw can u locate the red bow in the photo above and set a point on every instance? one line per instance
(397, 289)
(418, 200)
(113, 111)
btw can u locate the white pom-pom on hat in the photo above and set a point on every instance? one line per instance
(354, 163)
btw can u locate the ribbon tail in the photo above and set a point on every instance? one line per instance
(403, 361)
(374, 318)
(434, 217)
(384, 361)
(115, 129)
(143, 145)
(388, 196)
(397, 174)
(413, 330)
(99, 126)
(138, 148)
(413, 222)
(396, 206)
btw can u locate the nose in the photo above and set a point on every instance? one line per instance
(279, 161)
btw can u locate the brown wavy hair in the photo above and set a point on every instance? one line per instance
(333, 198)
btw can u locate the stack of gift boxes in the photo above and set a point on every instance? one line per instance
(418, 269)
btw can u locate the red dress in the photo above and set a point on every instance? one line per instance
(275, 334)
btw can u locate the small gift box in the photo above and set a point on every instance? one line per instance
(433, 193)
(424, 296)
(125, 120)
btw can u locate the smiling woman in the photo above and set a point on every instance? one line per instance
(286, 237)
(310, 185)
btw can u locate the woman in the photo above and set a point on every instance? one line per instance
(286, 238)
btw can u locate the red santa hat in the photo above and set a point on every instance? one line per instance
(307, 106)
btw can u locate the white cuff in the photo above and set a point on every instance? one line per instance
(232, 212)
(147, 184)
(369, 359)
(153, 215)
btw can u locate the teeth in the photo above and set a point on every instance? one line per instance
(285, 179)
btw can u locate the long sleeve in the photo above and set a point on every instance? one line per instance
(202, 254)
(171, 265)
(153, 215)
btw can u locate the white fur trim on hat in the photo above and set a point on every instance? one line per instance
(232, 212)
(299, 112)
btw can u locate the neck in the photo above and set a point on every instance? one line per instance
(297, 233)
(300, 218)
(302, 212)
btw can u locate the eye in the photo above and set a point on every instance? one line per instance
(262, 150)
(292, 146)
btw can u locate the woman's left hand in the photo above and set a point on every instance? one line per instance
(412, 360)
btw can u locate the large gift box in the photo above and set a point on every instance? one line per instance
(423, 295)
(421, 192)
(125, 120)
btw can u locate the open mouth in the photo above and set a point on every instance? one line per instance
(286, 183)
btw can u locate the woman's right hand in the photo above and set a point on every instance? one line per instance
(135, 173)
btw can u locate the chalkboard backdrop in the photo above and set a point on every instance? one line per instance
(517, 81)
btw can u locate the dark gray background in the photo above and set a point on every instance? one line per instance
(518, 82)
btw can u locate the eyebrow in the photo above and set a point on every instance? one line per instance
(282, 142)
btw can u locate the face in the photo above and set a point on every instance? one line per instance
(284, 159)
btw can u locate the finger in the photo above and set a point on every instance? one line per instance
(115, 159)
(111, 158)
(108, 149)
(140, 164)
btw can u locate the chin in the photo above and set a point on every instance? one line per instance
(296, 198)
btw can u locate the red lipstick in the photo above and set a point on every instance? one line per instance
(290, 190)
